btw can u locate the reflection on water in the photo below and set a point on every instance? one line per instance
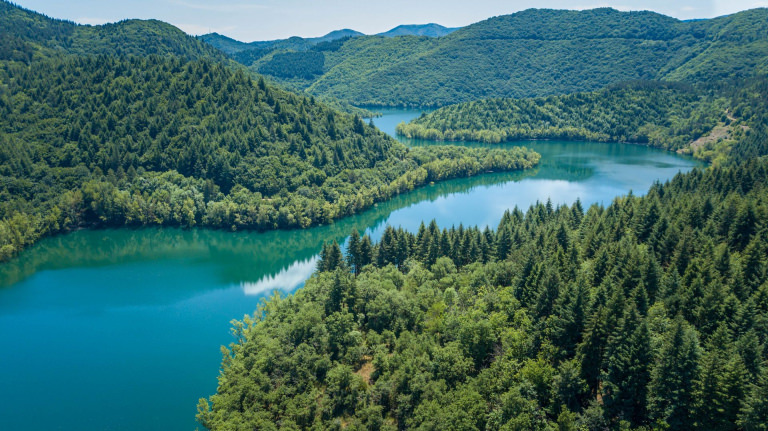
(119, 329)
(287, 280)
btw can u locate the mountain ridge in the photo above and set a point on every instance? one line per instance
(532, 53)
(230, 45)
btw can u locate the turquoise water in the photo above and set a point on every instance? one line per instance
(120, 329)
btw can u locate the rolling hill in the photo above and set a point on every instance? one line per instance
(429, 30)
(26, 35)
(136, 124)
(536, 52)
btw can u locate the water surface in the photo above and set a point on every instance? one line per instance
(120, 329)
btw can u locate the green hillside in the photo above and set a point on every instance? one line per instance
(649, 313)
(666, 115)
(27, 35)
(132, 140)
(533, 53)
(658, 114)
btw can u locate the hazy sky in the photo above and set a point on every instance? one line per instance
(250, 20)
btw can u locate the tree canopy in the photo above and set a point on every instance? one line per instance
(648, 313)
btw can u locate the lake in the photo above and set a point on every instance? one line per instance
(120, 329)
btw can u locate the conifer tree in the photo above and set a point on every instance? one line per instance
(353, 252)
(672, 389)
(330, 257)
(754, 414)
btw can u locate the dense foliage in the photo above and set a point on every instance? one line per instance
(305, 64)
(716, 124)
(662, 115)
(27, 35)
(537, 53)
(134, 140)
(651, 312)
(150, 140)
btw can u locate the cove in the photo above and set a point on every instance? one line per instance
(120, 329)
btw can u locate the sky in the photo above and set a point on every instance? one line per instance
(251, 20)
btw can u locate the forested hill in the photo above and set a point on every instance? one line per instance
(660, 114)
(531, 53)
(232, 46)
(26, 35)
(651, 313)
(667, 115)
(132, 140)
(429, 30)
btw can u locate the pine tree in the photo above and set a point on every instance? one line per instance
(592, 349)
(627, 373)
(330, 257)
(366, 252)
(671, 395)
(754, 414)
(353, 252)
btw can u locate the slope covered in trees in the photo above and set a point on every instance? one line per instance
(537, 53)
(651, 312)
(128, 138)
(26, 35)
(663, 115)
(706, 123)
(152, 140)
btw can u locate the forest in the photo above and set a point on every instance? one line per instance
(650, 313)
(138, 138)
(133, 141)
(663, 115)
(703, 121)
(533, 53)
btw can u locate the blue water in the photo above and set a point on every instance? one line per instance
(121, 329)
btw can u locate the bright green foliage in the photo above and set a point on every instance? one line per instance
(537, 52)
(125, 140)
(26, 36)
(663, 115)
(435, 335)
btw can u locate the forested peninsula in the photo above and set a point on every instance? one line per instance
(703, 121)
(650, 313)
(172, 137)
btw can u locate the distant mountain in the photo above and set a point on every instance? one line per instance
(251, 52)
(231, 46)
(336, 34)
(429, 30)
(223, 43)
(537, 52)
